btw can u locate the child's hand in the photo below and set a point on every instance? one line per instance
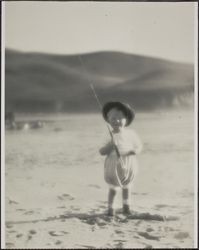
(131, 153)
(107, 149)
(110, 147)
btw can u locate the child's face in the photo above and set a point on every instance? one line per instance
(116, 119)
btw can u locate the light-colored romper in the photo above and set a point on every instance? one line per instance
(126, 169)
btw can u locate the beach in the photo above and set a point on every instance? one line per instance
(56, 196)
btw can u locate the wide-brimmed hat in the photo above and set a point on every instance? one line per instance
(124, 107)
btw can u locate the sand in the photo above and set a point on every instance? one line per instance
(56, 196)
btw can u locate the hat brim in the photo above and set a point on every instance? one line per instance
(125, 108)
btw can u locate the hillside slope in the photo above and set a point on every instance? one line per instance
(37, 82)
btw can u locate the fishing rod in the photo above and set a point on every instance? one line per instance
(110, 132)
(100, 106)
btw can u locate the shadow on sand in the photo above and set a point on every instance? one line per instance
(99, 218)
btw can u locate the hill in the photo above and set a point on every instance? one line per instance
(38, 82)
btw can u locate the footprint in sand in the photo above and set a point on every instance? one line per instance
(53, 233)
(148, 247)
(64, 232)
(181, 235)
(149, 229)
(29, 237)
(138, 223)
(119, 232)
(9, 226)
(19, 235)
(87, 247)
(58, 242)
(32, 231)
(95, 186)
(65, 197)
(30, 212)
(119, 245)
(100, 222)
(148, 236)
(30, 234)
(90, 221)
(94, 221)
(20, 209)
(161, 206)
(9, 245)
(120, 241)
(12, 202)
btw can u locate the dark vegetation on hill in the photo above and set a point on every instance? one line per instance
(37, 82)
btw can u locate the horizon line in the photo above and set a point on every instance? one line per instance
(98, 52)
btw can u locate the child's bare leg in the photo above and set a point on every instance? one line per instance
(111, 196)
(126, 192)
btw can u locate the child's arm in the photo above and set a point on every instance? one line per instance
(107, 149)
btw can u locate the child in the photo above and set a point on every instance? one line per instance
(119, 170)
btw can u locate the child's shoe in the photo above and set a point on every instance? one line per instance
(111, 212)
(126, 209)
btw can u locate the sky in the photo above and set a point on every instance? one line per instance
(158, 29)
